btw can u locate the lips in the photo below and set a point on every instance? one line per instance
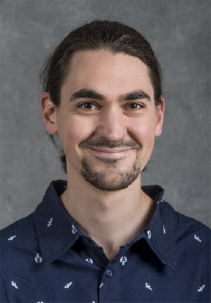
(108, 152)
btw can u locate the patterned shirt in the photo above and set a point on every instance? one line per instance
(46, 258)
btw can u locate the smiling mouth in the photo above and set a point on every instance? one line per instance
(109, 152)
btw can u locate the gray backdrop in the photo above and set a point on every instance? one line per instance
(179, 32)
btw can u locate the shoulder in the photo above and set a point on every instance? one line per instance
(189, 237)
(192, 239)
(16, 239)
(19, 232)
(183, 227)
(190, 228)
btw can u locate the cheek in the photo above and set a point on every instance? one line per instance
(77, 131)
(144, 133)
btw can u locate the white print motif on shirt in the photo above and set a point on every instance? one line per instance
(197, 238)
(38, 258)
(148, 286)
(68, 285)
(89, 261)
(101, 285)
(164, 230)
(40, 302)
(50, 222)
(14, 284)
(201, 288)
(123, 260)
(11, 238)
(149, 234)
(74, 230)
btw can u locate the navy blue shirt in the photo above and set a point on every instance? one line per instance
(46, 258)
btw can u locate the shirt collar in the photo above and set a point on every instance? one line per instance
(56, 232)
(161, 233)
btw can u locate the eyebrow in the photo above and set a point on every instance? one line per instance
(86, 93)
(91, 94)
(135, 96)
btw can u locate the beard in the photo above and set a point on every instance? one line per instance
(111, 178)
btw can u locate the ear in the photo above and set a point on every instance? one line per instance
(160, 117)
(48, 113)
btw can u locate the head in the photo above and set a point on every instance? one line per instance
(98, 35)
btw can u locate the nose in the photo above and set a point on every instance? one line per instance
(112, 124)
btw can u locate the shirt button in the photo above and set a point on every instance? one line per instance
(109, 273)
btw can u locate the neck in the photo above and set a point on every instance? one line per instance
(111, 219)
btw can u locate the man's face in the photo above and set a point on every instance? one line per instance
(107, 119)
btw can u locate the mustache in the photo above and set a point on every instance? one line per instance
(103, 142)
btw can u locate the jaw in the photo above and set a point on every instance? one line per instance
(110, 174)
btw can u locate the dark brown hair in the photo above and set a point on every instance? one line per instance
(98, 34)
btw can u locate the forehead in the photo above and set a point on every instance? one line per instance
(105, 71)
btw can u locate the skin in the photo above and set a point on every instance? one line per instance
(120, 112)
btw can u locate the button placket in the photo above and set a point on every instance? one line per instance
(109, 273)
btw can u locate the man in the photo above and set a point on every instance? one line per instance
(100, 237)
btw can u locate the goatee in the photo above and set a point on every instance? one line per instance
(112, 179)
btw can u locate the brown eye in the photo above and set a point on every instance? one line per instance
(134, 106)
(87, 106)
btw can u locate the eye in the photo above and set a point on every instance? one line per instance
(134, 106)
(87, 106)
